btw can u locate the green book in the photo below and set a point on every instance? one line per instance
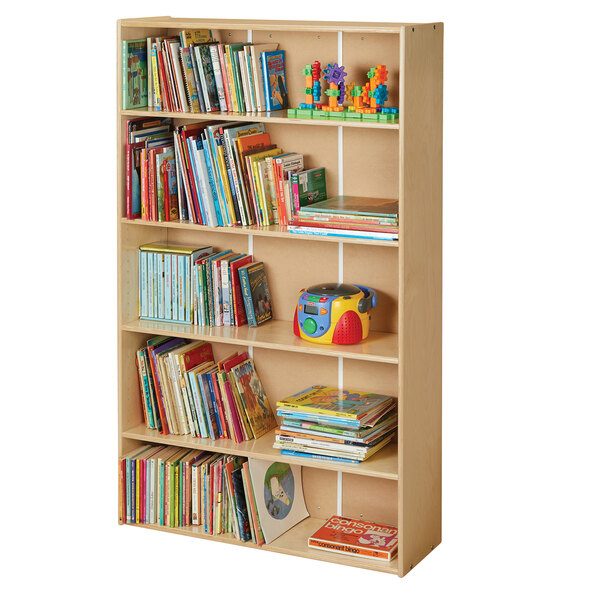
(308, 187)
(135, 74)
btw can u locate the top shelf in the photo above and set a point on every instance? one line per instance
(277, 116)
(244, 24)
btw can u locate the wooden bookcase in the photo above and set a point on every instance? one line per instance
(403, 354)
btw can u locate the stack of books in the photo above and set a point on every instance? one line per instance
(348, 216)
(184, 391)
(332, 424)
(253, 500)
(215, 174)
(200, 286)
(193, 73)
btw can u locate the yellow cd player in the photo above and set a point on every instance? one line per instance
(331, 313)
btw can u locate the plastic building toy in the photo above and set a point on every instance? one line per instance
(366, 101)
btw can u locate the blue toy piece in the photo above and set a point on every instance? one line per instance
(381, 94)
(305, 105)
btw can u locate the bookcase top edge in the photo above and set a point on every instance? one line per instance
(244, 24)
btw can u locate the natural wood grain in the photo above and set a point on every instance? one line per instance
(275, 231)
(292, 542)
(420, 310)
(382, 465)
(278, 116)
(278, 335)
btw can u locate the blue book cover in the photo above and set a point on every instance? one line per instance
(211, 179)
(317, 456)
(273, 66)
(206, 403)
(247, 296)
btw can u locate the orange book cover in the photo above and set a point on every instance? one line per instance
(356, 537)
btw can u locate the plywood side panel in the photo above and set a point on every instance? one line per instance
(370, 498)
(293, 265)
(301, 48)
(421, 293)
(376, 267)
(285, 373)
(361, 51)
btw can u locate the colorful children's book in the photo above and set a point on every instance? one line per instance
(273, 67)
(255, 291)
(308, 187)
(195, 36)
(324, 400)
(135, 74)
(254, 398)
(357, 205)
(356, 538)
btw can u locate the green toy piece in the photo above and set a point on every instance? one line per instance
(292, 113)
(371, 72)
(304, 113)
(331, 92)
(307, 70)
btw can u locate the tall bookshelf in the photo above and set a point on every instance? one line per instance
(401, 485)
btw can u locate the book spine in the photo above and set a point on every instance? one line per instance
(225, 292)
(156, 95)
(247, 295)
(125, 77)
(229, 106)
(208, 407)
(318, 456)
(143, 284)
(161, 285)
(199, 85)
(216, 64)
(229, 67)
(213, 185)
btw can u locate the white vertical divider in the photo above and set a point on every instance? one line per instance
(340, 260)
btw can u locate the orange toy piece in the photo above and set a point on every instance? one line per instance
(365, 94)
(333, 99)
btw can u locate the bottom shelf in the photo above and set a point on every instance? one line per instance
(293, 542)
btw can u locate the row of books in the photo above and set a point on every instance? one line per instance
(193, 73)
(181, 487)
(331, 424)
(184, 391)
(348, 216)
(202, 286)
(215, 174)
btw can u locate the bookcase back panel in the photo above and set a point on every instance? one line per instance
(370, 498)
(320, 492)
(378, 378)
(371, 163)
(319, 145)
(229, 36)
(285, 373)
(201, 238)
(301, 48)
(292, 265)
(130, 405)
(376, 267)
(136, 33)
(361, 51)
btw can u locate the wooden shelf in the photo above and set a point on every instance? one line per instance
(278, 335)
(292, 542)
(273, 231)
(276, 116)
(384, 464)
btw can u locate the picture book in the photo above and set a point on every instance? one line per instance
(255, 291)
(356, 537)
(273, 68)
(166, 185)
(254, 398)
(308, 187)
(356, 205)
(195, 36)
(279, 496)
(259, 84)
(324, 400)
(135, 74)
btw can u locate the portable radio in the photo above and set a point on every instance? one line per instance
(331, 313)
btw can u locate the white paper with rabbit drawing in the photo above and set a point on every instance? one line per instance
(279, 496)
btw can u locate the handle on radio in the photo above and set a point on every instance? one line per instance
(370, 299)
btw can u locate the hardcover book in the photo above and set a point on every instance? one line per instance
(309, 187)
(357, 538)
(135, 74)
(273, 67)
(255, 291)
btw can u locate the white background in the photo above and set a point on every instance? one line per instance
(521, 313)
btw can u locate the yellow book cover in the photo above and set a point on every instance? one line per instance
(333, 402)
(195, 36)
